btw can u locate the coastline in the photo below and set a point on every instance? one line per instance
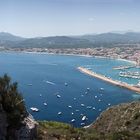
(106, 79)
(72, 54)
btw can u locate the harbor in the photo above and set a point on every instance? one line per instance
(109, 80)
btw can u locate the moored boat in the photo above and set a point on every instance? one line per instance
(34, 109)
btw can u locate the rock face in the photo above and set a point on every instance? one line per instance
(123, 117)
(3, 124)
(27, 130)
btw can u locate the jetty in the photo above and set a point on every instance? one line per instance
(109, 80)
(123, 67)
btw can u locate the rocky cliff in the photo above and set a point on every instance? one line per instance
(26, 131)
(15, 122)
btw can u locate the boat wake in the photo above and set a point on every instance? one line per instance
(49, 82)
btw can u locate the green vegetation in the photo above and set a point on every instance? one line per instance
(55, 130)
(61, 131)
(11, 101)
(121, 122)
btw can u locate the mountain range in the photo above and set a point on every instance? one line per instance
(96, 40)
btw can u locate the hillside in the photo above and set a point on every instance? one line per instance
(9, 40)
(54, 42)
(114, 38)
(123, 117)
(84, 41)
(4, 36)
(121, 122)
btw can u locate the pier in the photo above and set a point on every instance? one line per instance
(102, 77)
(123, 67)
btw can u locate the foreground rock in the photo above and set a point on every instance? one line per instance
(15, 121)
(26, 131)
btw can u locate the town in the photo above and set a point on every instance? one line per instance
(126, 52)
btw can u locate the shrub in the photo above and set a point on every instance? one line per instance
(12, 101)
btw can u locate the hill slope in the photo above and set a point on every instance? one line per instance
(121, 122)
(97, 40)
(4, 36)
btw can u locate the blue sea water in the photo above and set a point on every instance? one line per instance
(36, 69)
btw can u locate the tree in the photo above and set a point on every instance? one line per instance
(12, 101)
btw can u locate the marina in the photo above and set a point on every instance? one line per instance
(135, 75)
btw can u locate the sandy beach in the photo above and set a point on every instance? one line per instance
(102, 77)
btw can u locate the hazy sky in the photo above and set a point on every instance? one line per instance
(31, 18)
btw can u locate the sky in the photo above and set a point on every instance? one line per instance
(33, 18)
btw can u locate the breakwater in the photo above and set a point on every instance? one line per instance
(109, 80)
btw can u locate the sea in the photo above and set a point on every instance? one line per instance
(53, 84)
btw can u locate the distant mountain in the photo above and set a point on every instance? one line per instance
(9, 40)
(113, 38)
(9, 37)
(84, 41)
(54, 42)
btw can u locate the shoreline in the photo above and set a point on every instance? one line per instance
(80, 55)
(103, 78)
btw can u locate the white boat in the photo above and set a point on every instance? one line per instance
(74, 98)
(86, 92)
(40, 95)
(82, 105)
(59, 113)
(49, 82)
(88, 88)
(95, 96)
(34, 109)
(58, 96)
(73, 120)
(30, 84)
(66, 84)
(109, 104)
(89, 107)
(69, 106)
(94, 108)
(72, 113)
(101, 88)
(77, 110)
(45, 104)
(84, 118)
(99, 100)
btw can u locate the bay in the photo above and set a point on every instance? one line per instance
(42, 77)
